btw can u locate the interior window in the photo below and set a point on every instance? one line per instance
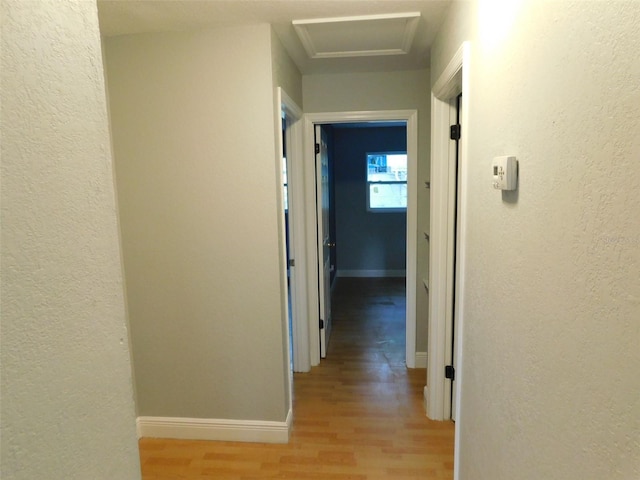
(387, 181)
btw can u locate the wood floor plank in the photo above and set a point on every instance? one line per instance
(357, 416)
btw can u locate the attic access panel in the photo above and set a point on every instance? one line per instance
(359, 36)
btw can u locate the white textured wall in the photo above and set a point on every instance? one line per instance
(67, 403)
(192, 117)
(402, 90)
(551, 383)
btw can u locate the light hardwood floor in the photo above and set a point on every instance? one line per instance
(357, 416)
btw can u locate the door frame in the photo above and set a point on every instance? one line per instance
(453, 81)
(297, 239)
(310, 120)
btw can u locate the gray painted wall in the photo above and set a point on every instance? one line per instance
(365, 240)
(285, 73)
(551, 336)
(193, 125)
(67, 397)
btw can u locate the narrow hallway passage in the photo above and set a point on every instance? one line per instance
(359, 415)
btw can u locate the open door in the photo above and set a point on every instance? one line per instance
(324, 242)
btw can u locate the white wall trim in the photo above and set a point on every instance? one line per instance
(297, 231)
(310, 119)
(214, 429)
(421, 360)
(371, 273)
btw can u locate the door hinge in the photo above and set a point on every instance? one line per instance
(317, 148)
(292, 262)
(454, 133)
(450, 372)
(321, 324)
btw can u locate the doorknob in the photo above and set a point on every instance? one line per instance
(331, 244)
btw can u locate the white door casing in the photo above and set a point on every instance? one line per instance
(297, 233)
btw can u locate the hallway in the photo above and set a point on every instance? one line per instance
(357, 416)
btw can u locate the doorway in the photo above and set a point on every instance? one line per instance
(313, 270)
(364, 235)
(446, 276)
(294, 261)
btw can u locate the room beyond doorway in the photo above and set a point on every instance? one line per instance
(371, 240)
(364, 203)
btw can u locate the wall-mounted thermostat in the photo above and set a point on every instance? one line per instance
(505, 173)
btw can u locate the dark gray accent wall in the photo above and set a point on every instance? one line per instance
(365, 240)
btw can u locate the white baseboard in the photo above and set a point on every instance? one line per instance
(372, 273)
(421, 359)
(212, 429)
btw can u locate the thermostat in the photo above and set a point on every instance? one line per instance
(505, 173)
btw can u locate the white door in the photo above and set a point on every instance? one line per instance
(324, 242)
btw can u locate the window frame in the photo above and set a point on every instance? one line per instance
(369, 183)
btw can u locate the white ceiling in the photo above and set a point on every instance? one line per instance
(122, 17)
